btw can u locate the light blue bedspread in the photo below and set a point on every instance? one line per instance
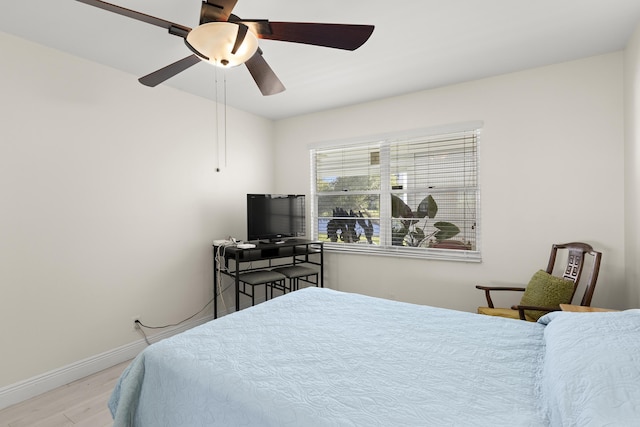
(592, 369)
(318, 357)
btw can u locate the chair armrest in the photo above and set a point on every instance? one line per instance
(500, 288)
(522, 308)
(487, 291)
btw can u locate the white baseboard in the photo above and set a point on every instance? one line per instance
(23, 390)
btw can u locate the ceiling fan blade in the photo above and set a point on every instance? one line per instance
(257, 26)
(169, 71)
(338, 36)
(216, 10)
(263, 75)
(176, 29)
(242, 33)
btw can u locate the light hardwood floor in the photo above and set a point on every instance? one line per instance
(82, 403)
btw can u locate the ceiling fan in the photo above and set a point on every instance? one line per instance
(225, 40)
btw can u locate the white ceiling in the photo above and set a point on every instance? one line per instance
(421, 44)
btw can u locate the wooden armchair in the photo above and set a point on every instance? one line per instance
(572, 272)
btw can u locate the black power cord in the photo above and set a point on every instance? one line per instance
(140, 325)
(175, 324)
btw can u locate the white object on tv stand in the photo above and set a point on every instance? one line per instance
(245, 246)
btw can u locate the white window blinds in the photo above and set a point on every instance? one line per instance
(416, 196)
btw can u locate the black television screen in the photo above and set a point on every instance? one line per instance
(275, 216)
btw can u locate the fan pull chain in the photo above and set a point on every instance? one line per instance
(215, 83)
(224, 119)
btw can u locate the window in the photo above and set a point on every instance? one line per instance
(413, 195)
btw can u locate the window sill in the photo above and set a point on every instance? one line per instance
(405, 252)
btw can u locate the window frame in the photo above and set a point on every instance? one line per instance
(387, 140)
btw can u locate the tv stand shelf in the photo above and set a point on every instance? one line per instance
(229, 260)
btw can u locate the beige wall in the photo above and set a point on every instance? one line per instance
(632, 167)
(551, 170)
(110, 202)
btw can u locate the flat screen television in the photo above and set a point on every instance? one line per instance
(275, 217)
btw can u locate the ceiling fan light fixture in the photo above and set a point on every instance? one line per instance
(215, 41)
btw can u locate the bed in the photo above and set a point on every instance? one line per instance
(319, 357)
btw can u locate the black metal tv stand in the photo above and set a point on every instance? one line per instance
(228, 260)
